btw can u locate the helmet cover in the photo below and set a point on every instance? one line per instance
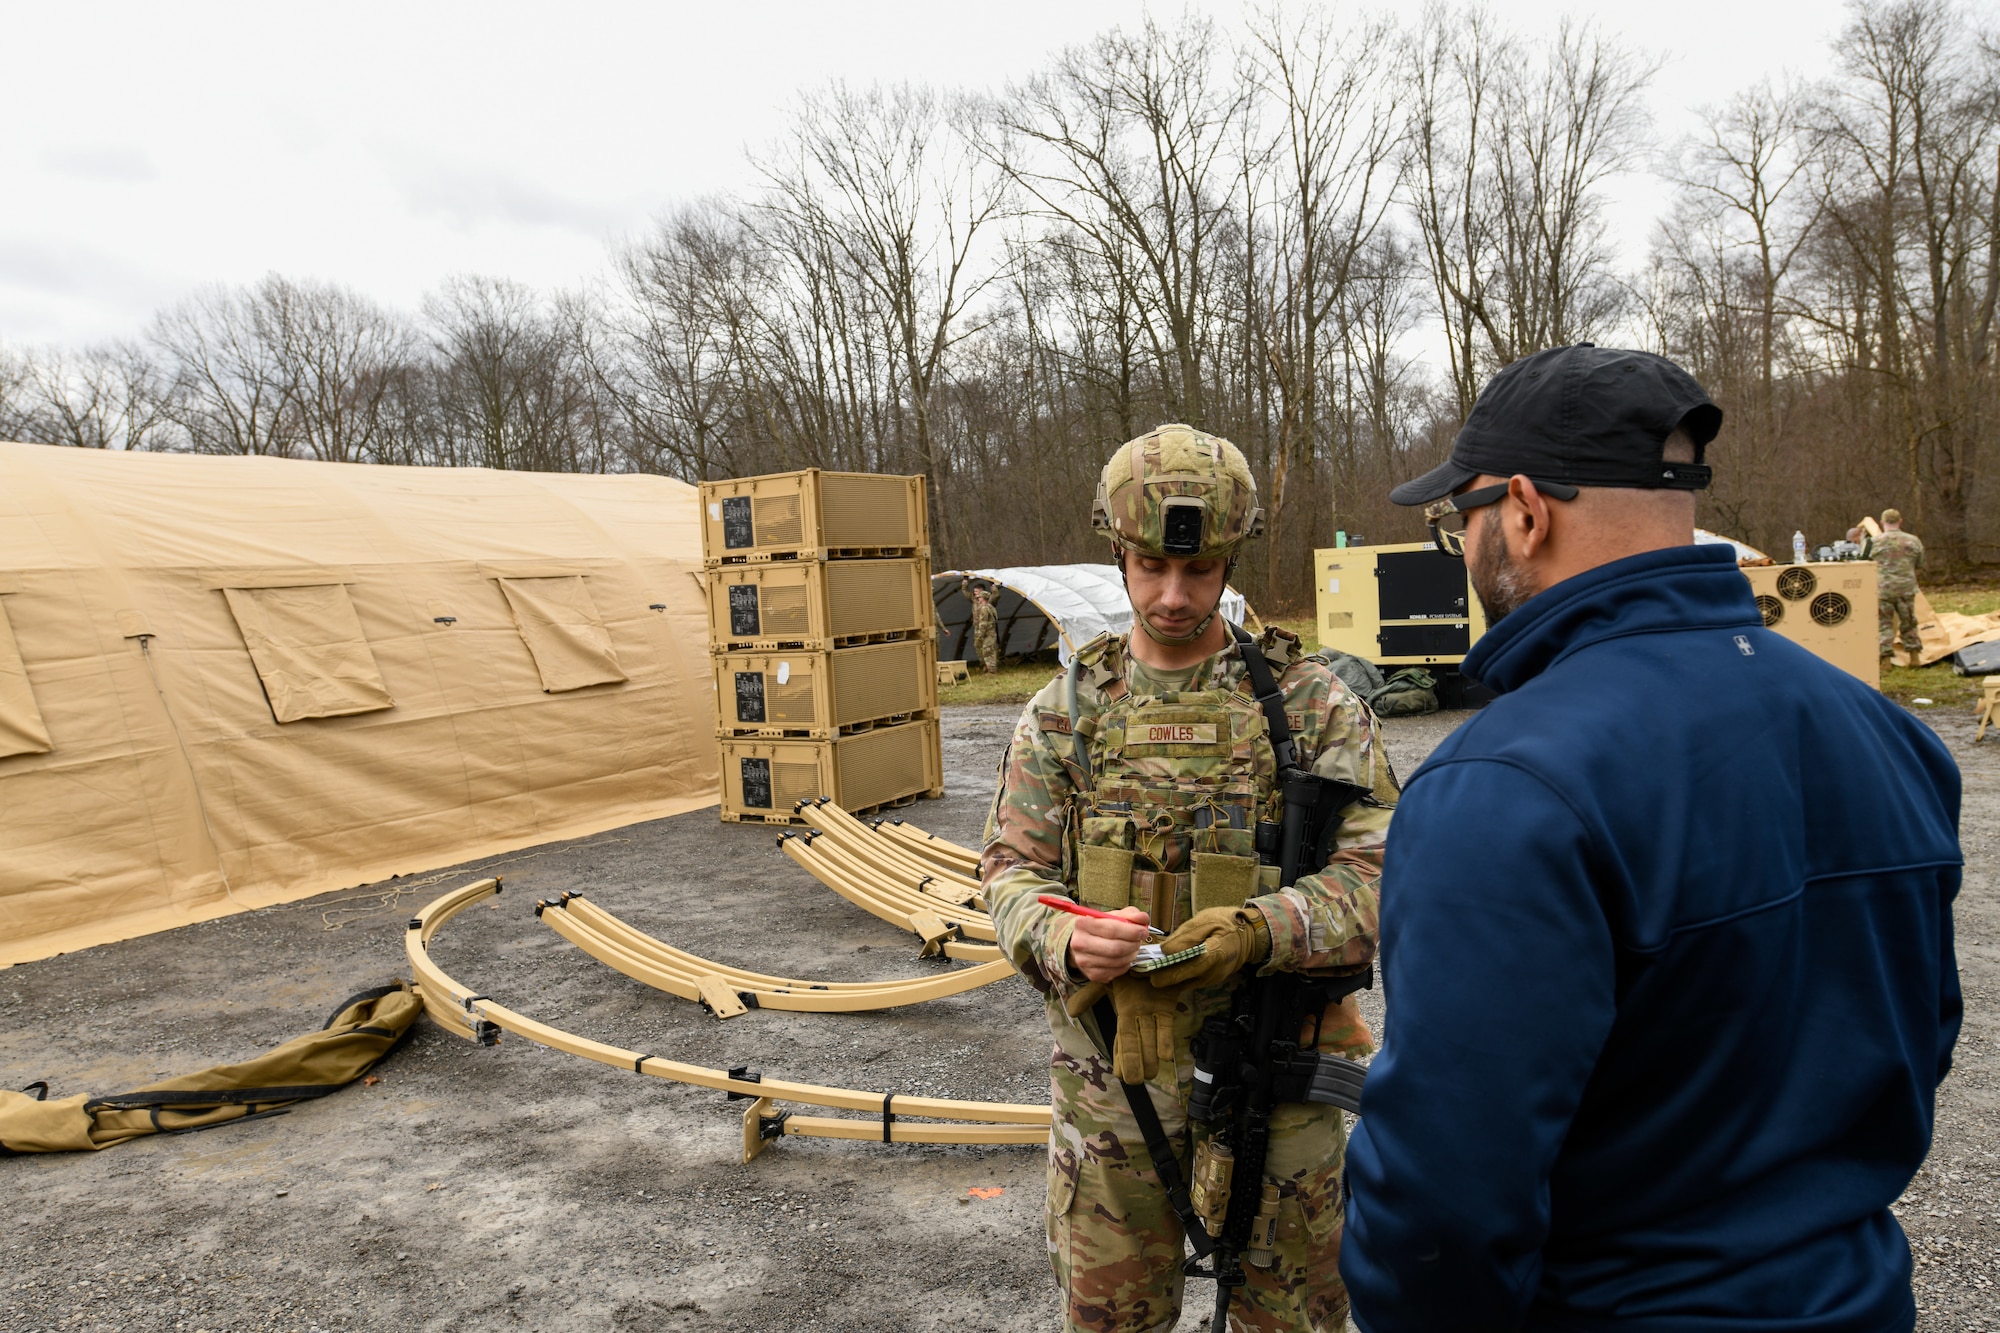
(1177, 491)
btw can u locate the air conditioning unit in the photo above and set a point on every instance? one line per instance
(1827, 609)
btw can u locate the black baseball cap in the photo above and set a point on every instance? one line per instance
(1585, 415)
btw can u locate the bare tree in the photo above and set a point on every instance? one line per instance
(341, 355)
(230, 390)
(1334, 177)
(511, 388)
(1127, 142)
(676, 368)
(107, 396)
(1911, 191)
(1511, 146)
(16, 414)
(886, 181)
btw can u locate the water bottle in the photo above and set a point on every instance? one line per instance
(1798, 548)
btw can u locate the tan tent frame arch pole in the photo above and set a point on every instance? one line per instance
(827, 850)
(728, 991)
(476, 1017)
(885, 855)
(930, 847)
(940, 925)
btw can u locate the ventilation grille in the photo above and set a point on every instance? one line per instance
(871, 596)
(865, 511)
(785, 614)
(1830, 609)
(792, 783)
(879, 766)
(1796, 584)
(1770, 608)
(791, 704)
(877, 682)
(777, 520)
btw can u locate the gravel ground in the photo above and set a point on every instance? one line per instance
(516, 1187)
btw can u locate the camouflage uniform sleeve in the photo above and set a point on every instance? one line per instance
(1329, 920)
(1023, 852)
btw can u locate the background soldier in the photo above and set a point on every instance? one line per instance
(985, 628)
(1136, 782)
(1898, 555)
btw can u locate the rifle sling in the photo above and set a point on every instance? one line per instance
(1165, 1163)
(1269, 698)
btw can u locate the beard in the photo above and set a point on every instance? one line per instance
(1500, 584)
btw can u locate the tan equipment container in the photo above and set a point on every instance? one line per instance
(763, 779)
(812, 515)
(1402, 605)
(1827, 609)
(817, 695)
(836, 604)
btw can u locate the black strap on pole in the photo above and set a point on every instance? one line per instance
(1165, 1163)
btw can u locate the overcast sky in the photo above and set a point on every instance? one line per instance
(151, 149)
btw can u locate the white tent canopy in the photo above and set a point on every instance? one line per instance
(1064, 606)
(1744, 551)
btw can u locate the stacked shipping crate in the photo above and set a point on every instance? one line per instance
(824, 641)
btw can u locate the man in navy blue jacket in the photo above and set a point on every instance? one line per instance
(1670, 995)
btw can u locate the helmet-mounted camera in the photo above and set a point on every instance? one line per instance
(1180, 525)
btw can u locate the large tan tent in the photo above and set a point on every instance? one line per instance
(231, 682)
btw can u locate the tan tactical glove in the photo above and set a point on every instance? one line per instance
(1236, 937)
(1145, 1024)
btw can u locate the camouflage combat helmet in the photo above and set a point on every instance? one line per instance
(1177, 491)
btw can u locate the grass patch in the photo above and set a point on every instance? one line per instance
(1013, 683)
(1938, 682)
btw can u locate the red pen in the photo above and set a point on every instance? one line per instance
(1078, 909)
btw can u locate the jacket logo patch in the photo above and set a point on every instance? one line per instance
(1176, 733)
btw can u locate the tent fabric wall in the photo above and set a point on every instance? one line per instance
(1040, 605)
(137, 592)
(21, 728)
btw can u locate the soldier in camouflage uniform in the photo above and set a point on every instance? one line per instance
(985, 628)
(1160, 827)
(1897, 555)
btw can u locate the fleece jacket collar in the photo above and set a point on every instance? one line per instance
(1678, 588)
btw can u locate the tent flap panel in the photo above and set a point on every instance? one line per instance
(21, 727)
(309, 651)
(564, 633)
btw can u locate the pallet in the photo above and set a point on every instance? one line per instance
(727, 733)
(867, 811)
(815, 554)
(718, 647)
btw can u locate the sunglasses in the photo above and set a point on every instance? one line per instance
(1447, 516)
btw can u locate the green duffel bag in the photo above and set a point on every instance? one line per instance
(1410, 692)
(361, 1032)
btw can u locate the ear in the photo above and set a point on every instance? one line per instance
(1530, 523)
